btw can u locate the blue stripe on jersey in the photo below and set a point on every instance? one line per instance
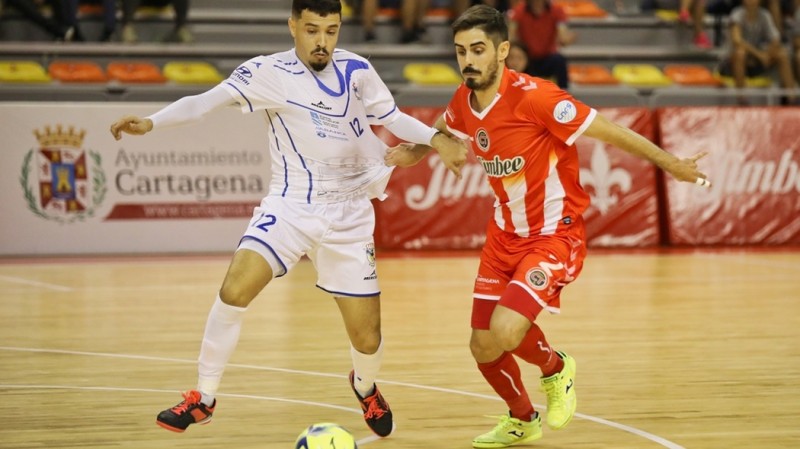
(289, 71)
(302, 160)
(351, 66)
(384, 115)
(285, 166)
(250, 105)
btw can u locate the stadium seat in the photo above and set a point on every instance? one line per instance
(76, 72)
(752, 81)
(591, 74)
(640, 75)
(581, 8)
(135, 72)
(690, 75)
(436, 74)
(23, 72)
(192, 73)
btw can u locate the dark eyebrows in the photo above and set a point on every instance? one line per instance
(472, 45)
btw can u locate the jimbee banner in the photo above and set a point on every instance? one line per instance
(753, 163)
(69, 188)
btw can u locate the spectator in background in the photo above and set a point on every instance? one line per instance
(542, 27)
(756, 46)
(412, 13)
(692, 12)
(109, 17)
(517, 58)
(180, 33)
(369, 9)
(56, 25)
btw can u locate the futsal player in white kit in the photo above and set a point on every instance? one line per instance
(318, 103)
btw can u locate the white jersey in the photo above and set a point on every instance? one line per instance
(320, 140)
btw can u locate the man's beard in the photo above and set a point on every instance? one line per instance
(318, 66)
(476, 84)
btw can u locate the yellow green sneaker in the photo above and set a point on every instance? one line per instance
(510, 431)
(561, 397)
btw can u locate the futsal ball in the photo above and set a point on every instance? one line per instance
(325, 436)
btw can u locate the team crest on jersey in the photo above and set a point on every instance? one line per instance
(369, 248)
(69, 181)
(536, 278)
(482, 139)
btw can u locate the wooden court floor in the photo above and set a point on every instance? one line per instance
(695, 350)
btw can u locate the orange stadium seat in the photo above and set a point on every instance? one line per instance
(135, 72)
(192, 73)
(591, 74)
(640, 75)
(76, 72)
(431, 74)
(691, 75)
(22, 72)
(581, 8)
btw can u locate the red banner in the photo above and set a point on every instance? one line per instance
(624, 207)
(428, 208)
(754, 166)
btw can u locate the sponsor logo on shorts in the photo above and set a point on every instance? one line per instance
(372, 276)
(369, 248)
(537, 278)
(488, 280)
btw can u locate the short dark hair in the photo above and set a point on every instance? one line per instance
(485, 18)
(321, 7)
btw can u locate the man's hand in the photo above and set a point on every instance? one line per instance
(452, 151)
(686, 170)
(405, 154)
(132, 125)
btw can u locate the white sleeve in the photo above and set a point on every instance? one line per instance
(410, 129)
(191, 109)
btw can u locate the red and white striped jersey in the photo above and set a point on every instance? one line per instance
(525, 140)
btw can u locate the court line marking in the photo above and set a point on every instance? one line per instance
(361, 442)
(632, 430)
(19, 280)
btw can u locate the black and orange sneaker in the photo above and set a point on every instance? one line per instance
(189, 411)
(376, 411)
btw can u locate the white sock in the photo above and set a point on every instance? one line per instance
(366, 368)
(219, 341)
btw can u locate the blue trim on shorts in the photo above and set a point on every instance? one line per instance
(266, 245)
(354, 295)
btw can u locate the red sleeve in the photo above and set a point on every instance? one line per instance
(453, 115)
(562, 115)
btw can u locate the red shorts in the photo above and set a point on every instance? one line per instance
(542, 265)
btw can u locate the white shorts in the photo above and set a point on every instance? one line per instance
(337, 237)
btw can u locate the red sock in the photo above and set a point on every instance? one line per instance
(504, 376)
(535, 349)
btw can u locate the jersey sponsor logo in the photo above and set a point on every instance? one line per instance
(321, 105)
(498, 168)
(242, 74)
(482, 139)
(565, 111)
(356, 92)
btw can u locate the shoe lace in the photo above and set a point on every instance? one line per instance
(190, 398)
(374, 409)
